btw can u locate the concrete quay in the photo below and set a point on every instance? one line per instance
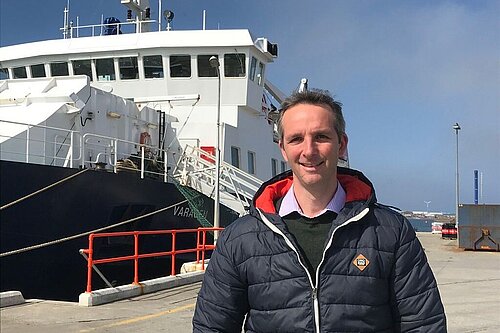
(469, 283)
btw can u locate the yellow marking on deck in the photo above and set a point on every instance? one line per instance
(141, 318)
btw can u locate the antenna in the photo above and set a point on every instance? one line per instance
(66, 21)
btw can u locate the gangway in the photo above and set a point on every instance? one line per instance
(196, 169)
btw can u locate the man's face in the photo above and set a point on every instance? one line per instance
(311, 146)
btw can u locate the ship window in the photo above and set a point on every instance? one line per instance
(128, 68)
(274, 166)
(260, 75)
(82, 67)
(204, 68)
(4, 73)
(253, 68)
(251, 162)
(153, 66)
(19, 72)
(283, 166)
(235, 156)
(234, 65)
(180, 66)
(59, 69)
(38, 70)
(105, 69)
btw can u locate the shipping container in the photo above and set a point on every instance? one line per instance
(479, 227)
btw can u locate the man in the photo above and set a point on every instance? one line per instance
(317, 253)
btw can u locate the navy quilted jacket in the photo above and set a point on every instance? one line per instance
(374, 276)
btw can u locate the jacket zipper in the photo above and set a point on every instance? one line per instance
(314, 288)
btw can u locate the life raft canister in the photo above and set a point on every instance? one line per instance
(145, 139)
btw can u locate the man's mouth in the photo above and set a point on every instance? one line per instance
(311, 165)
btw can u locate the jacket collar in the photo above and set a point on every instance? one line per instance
(356, 185)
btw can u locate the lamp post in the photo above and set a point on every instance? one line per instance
(457, 128)
(214, 63)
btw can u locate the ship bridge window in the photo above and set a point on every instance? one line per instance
(260, 74)
(234, 65)
(4, 73)
(19, 72)
(82, 67)
(235, 156)
(204, 68)
(38, 70)
(153, 66)
(180, 66)
(59, 69)
(251, 162)
(128, 68)
(274, 167)
(253, 68)
(105, 69)
(283, 166)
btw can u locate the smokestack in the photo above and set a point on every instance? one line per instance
(476, 187)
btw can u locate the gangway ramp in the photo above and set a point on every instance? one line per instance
(196, 169)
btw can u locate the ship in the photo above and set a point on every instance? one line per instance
(127, 125)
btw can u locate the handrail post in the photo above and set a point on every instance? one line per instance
(172, 256)
(27, 144)
(136, 257)
(198, 233)
(89, 263)
(142, 162)
(71, 149)
(165, 166)
(82, 147)
(203, 251)
(115, 159)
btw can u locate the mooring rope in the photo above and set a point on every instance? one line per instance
(42, 189)
(34, 247)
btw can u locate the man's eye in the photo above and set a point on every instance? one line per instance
(295, 140)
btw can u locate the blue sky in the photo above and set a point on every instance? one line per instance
(406, 71)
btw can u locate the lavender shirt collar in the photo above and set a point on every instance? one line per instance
(289, 203)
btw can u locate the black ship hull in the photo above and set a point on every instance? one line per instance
(89, 201)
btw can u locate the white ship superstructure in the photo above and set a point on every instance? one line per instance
(115, 127)
(165, 76)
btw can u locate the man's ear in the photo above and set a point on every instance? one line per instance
(282, 149)
(343, 146)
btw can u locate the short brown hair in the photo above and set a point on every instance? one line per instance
(313, 97)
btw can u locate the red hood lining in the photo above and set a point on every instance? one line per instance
(355, 190)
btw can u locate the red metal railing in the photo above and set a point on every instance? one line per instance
(201, 248)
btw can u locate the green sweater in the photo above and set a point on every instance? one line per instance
(310, 234)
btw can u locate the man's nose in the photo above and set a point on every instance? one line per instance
(309, 147)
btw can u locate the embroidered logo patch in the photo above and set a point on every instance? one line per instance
(361, 262)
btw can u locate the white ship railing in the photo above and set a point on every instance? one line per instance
(196, 168)
(40, 144)
(119, 154)
(47, 145)
(98, 29)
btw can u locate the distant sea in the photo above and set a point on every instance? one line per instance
(422, 225)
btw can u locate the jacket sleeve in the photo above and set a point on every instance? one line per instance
(222, 301)
(416, 302)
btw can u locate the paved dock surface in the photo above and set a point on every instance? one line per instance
(469, 283)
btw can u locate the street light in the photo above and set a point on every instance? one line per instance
(214, 63)
(457, 128)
